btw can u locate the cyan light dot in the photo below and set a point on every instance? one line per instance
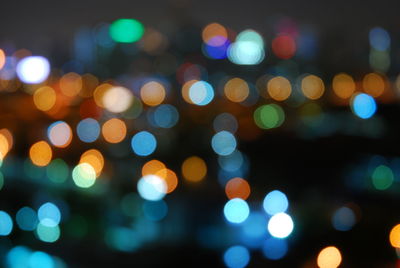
(143, 143)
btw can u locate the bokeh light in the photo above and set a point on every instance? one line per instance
(343, 85)
(155, 210)
(394, 236)
(84, 175)
(194, 169)
(382, 177)
(6, 223)
(33, 69)
(343, 219)
(2, 58)
(59, 134)
(236, 257)
(71, 84)
(279, 88)
(225, 121)
(363, 105)
(269, 116)
(236, 210)
(117, 99)
(379, 39)
(143, 143)
(40, 259)
(165, 116)
(49, 215)
(284, 46)
(44, 98)
(114, 130)
(237, 188)
(329, 257)
(201, 93)
(223, 143)
(126, 30)
(170, 179)
(152, 93)
(280, 225)
(248, 49)
(154, 166)
(236, 90)
(94, 158)
(48, 234)
(373, 84)
(57, 171)
(88, 130)
(213, 30)
(313, 87)
(275, 202)
(26, 219)
(40, 153)
(152, 187)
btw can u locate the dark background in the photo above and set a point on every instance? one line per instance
(313, 172)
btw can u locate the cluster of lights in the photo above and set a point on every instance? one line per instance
(107, 109)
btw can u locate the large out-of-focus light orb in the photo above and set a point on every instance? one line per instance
(201, 93)
(143, 143)
(117, 99)
(343, 85)
(394, 236)
(363, 105)
(49, 214)
(279, 88)
(379, 39)
(275, 202)
(26, 219)
(152, 187)
(126, 30)
(17, 256)
(329, 257)
(343, 219)
(48, 234)
(236, 90)
(166, 116)
(312, 86)
(39, 259)
(84, 175)
(194, 169)
(248, 48)
(284, 46)
(94, 158)
(114, 130)
(59, 134)
(236, 210)
(40, 153)
(280, 225)
(269, 116)
(223, 143)
(6, 224)
(33, 69)
(237, 188)
(88, 130)
(236, 257)
(44, 98)
(153, 93)
(382, 177)
(245, 53)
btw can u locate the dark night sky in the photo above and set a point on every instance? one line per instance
(26, 22)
